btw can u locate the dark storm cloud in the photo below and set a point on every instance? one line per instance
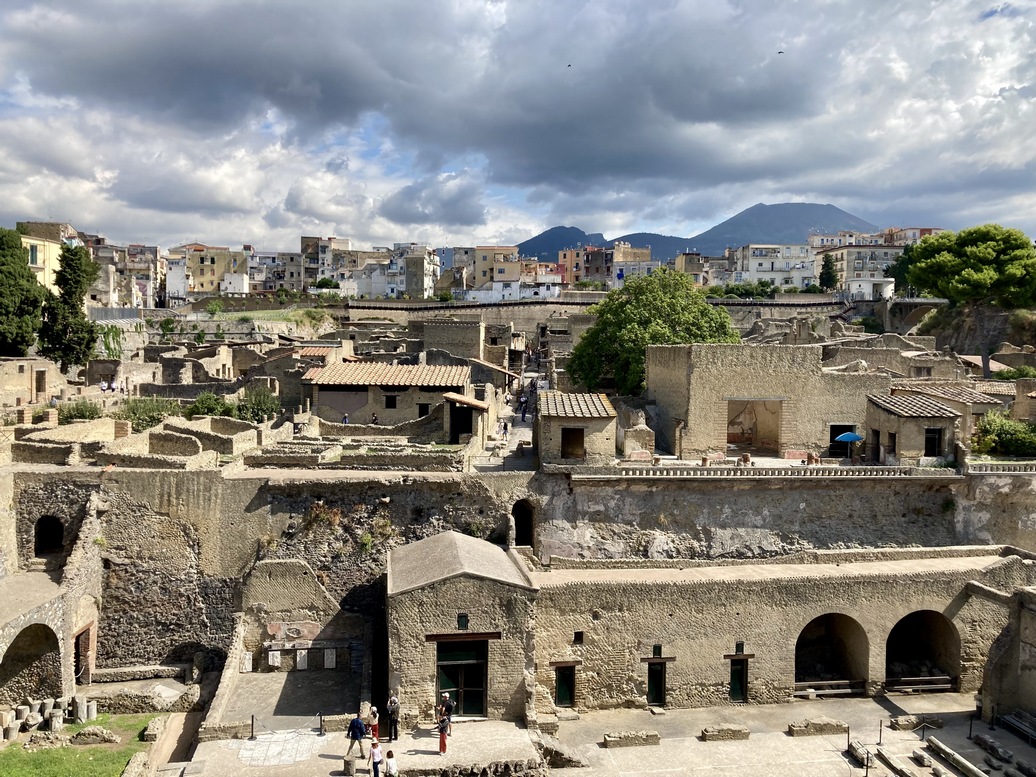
(450, 200)
(345, 114)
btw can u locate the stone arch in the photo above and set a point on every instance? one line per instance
(524, 515)
(48, 536)
(31, 666)
(832, 647)
(923, 644)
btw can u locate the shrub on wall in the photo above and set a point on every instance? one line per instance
(998, 434)
(143, 413)
(80, 409)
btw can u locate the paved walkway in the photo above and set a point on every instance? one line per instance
(305, 754)
(770, 752)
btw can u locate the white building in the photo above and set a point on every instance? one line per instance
(782, 265)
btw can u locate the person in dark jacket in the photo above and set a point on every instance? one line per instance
(356, 731)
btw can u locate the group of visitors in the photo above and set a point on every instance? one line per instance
(114, 387)
(359, 728)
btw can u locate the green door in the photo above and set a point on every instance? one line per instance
(656, 684)
(462, 670)
(739, 679)
(565, 686)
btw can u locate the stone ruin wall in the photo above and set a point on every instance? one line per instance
(698, 623)
(179, 542)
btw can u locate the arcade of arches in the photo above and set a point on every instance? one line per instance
(922, 651)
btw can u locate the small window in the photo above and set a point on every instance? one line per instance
(891, 448)
(656, 651)
(21, 369)
(462, 621)
(423, 408)
(577, 638)
(494, 341)
(390, 403)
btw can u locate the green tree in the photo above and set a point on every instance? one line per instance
(327, 283)
(21, 297)
(67, 336)
(899, 270)
(828, 279)
(658, 309)
(214, 308)
(978, 269)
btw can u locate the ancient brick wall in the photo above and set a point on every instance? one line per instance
(697, 623)
(460, 338)
(490, 607)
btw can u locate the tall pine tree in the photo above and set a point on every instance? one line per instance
(21, 297)
(67, 336)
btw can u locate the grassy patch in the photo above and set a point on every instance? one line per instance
(81, 761)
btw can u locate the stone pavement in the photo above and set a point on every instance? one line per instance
(305, 754)
(283, 701)
(770, 751)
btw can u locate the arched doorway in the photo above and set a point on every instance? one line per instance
(48, 536)
(922, 653)
(31, 666)
(524, 529)
(831, 656)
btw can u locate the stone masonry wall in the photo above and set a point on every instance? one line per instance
(490, 607)
(698, 622)
(159, 606)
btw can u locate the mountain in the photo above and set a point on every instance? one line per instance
(546, 245)
(787, 222)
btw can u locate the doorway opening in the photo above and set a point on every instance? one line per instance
(922, 653)
(565, 686)
(461, 669)
(461, 422)
(656, 683)
(739, 679)
(831, 656)
(839, 450)
(524, 529)
(754, 426)
(572, 443)
(48, 536)
(82, 651)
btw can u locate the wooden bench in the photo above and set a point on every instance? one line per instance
(932, 683)
(1020, 722)
(828, 688)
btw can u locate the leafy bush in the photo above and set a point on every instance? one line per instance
(80, 409)
(208, 403)
(259, 402)
(147, 412)
(998, 434)
(1013, 373)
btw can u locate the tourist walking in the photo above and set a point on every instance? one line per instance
(393, 717)
(375, 758)
(372, 722)
(374, 419)
(345, 418)
(356, 731)
(444, 727)
(505, 431)
(391, 770)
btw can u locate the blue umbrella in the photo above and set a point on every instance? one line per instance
(848, 437)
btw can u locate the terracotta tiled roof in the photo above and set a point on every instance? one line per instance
(460, 399)
(912, 406)
(562, 405)
(995, 388)
(994, 365)
(315, 350)
(953, 393)
(371, 374)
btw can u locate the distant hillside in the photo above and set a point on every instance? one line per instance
(788, 222)
(546, 245)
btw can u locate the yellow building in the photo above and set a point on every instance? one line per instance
(44, 259)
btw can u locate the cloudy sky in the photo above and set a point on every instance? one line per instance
(460, 122)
